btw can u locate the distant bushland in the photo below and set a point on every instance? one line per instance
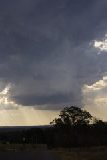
(75, 127)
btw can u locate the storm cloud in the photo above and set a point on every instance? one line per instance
(46, 49)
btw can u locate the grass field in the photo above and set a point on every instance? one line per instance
(92, 153)
(22, 147)
(95, 153)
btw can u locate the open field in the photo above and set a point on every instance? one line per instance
(37, 155)
(18, 151)
(22, 147)
(95, 153)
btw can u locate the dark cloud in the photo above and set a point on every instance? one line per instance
(45, 51)
(42, 100)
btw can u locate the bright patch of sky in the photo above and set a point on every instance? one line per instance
(101, 45)
(95, 98)
(12, 114)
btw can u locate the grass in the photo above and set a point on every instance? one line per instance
(95, 153)
(92, 153)
(22, 147)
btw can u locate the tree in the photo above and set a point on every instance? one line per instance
(99, 123)
(72, 116)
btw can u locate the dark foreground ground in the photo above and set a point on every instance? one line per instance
(28, 156)
(93, 153)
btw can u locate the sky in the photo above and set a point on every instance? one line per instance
(53, 53)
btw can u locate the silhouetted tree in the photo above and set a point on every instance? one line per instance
(72, 116)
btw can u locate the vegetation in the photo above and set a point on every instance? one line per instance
(75, 127)
(72, 116)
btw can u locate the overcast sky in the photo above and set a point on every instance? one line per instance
(51, 53)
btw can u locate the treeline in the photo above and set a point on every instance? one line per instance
(54, 137)
(78, 136)
(32, 136)
(74, 127)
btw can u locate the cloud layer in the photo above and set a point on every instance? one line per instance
(95, 98)
(47, 51)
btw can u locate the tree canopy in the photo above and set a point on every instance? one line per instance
(72, 116)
